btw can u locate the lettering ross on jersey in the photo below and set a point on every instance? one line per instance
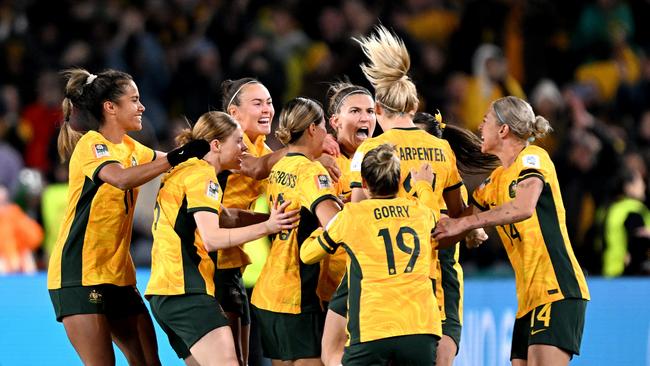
(283, 178)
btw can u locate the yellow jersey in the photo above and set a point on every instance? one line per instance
(388, 244)
(179, 262)
(546, 270)
(286, 285)
(414, 147)
(93, 244)
(241, 191)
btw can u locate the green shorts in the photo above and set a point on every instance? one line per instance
(416, 349)
(289, 337)
(113, 301)
(558, 324)
(339, 301)
(186, 318)
(231, 293)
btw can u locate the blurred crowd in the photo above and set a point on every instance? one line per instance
(584, 65)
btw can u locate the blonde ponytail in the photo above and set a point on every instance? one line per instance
(388, 69)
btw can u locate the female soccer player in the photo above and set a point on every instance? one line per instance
(352, 117)
(249, 102)
(285, 300)
(91, 277)
(388, 243)
(522, 199)
(186, 228)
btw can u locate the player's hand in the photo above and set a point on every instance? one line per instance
(447, 227)
(279, 219)
(330, 146)
(193, 149)
(329, 162)
(475, 238)
(425, 173)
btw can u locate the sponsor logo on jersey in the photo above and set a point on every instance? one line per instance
(323, 181)
(213, 190)
(101, 150)
(531, 161)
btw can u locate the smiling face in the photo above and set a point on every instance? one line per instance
(255, 110)
(129, 109)
(490, 132)
(232, 150)
(354, 122)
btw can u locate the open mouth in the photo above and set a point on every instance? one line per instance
(264, 121)
(362, 133)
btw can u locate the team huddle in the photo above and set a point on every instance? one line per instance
(365, 231)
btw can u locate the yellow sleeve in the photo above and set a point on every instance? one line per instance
(480, 196)
(203, 192)
(321, 243)
(533, 165)
(425, 194)
(93, 155)
(145, 154)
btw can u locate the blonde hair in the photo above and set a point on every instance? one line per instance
(521, 119)
(210, 126)
(85, 94)
(296, 116)
(380, 169)
(388, 71)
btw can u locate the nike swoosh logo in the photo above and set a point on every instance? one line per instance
(533, 332)
(181, 153)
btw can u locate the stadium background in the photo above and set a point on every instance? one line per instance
(582, 64)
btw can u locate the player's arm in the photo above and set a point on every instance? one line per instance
(123, 178)
(215, 237)
(235, 217)
(316, 247)
(519, 209)
(260, 167)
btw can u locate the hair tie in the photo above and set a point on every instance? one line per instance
(496, 111)
(531, 139)
(90, 78)
(438, 118)
(237, 92)
(358, 91)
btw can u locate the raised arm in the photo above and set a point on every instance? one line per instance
(126, 178)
